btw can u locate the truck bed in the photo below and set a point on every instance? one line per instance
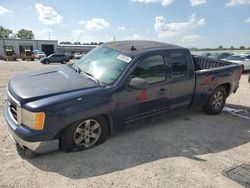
(201, 63)
(211, 73)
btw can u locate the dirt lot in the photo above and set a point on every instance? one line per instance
(185, 150)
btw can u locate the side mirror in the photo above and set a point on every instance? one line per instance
(138, 83)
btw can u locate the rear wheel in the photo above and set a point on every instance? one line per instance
(85, 134)
(216, 101)
(64, 62)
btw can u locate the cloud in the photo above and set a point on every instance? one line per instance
(176, 29)
(238, 2)
(27, 9)
(163, 2)
(43, 34)
(135, 37)
(197, 2)
(47, 15)
(4, 10)
(247, 20)
(95, 24)
(122, 28)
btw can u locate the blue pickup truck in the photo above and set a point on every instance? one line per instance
(78, 106)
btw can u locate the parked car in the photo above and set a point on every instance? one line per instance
(69, 54)
(1, 57)
(39, 54)
(206, 54)
(61, 58)
(77, 106)
(78, 55)
(240, 59)
(220, 56)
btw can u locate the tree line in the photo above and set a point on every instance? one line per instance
(21, 34)
(78, 43)
(220, 48)
(28, 34)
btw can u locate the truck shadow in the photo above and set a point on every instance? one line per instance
(187, 134)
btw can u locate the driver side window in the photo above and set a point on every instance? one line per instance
(151, 68)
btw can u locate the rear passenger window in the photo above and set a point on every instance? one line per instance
(178, 63)
(151, 69)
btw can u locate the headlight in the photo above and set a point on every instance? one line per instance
(33, 120)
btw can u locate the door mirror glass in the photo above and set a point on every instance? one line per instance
(138, 83)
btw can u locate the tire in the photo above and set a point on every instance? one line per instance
(47, 62)
(94, 130)
(64, 62)
(216, 101)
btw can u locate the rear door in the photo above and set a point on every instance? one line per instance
(134, 103)
(53, 58)
(182, 78)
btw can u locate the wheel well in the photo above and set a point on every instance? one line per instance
(227, 87)
(109, 121)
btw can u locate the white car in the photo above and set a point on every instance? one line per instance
(39, 55)
(240, 59)
(78, 55)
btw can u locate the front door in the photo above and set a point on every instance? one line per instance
(134, 104)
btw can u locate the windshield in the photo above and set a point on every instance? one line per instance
(105, 64)
(236, 58)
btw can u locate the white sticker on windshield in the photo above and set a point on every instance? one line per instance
(124, 58)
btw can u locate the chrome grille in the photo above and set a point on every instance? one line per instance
(14, 108)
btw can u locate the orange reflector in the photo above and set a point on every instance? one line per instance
(39, 120)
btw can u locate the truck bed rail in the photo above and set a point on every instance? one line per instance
(201, 63)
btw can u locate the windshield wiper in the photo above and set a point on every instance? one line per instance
(91, 76)
(77, 69)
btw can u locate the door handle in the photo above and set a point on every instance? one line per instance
(161, 91)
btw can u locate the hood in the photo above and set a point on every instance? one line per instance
(235, 61)
(47, 82)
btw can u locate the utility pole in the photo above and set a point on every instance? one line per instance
(79, 38)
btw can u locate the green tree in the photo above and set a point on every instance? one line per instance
(231, 48)
(242, 47)
(77, 43)
(220, 47)
(4, 32)
(65, 42)
(25, 34)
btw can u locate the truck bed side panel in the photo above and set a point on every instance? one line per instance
(207, 80)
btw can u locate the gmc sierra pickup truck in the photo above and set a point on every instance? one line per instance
(77, 106)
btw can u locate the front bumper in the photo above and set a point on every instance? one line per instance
(15, 134)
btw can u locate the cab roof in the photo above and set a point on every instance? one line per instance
(134, 48)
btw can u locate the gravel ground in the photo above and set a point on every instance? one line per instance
(188, 149)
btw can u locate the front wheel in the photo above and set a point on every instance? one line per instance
(64, 62)
(216, 101)
(85, 134)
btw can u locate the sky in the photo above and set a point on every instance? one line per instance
(189, 23)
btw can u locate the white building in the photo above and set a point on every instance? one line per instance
(47, 46)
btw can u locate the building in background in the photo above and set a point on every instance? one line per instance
(47, 46)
